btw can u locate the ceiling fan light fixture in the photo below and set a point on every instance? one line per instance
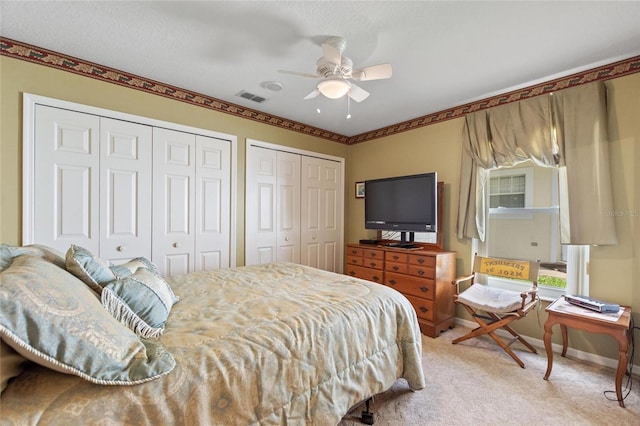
(334, 89)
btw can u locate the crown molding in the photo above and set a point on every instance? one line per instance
(26, 52)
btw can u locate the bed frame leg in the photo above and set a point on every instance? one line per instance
(367, 416)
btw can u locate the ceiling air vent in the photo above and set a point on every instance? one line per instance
(251, 96)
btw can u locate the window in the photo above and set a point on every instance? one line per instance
(523, 222)
(507, 191)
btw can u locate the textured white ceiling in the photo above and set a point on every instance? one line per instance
(443, 53)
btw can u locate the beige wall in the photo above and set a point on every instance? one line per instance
(615, 271)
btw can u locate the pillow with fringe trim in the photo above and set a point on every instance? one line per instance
(142, 301)
(50, 317)
(92, 270)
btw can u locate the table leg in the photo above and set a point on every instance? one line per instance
(565, 339)
(547, 346)
(623, 348)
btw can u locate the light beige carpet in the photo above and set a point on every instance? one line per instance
(476, 383)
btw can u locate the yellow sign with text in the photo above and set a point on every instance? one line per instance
(505, 268)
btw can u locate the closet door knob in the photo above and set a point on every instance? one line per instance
(177, 245)
(121, 248)
(286, 238)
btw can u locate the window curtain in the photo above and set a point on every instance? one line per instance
(566, 129)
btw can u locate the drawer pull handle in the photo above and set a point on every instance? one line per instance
(396, 257)
(423, 309)
(421, 272)
(424, 288)
(352, 273)
(373, 254)
(373, 264)
(420, 260)
(395, 268)
(392, 282)
(376, 278)
(121, 248)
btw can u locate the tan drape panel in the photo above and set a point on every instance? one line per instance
(580, 117)
(568, 129)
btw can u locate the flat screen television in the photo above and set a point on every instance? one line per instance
(402, 203)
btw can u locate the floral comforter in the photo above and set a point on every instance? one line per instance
(269, 344)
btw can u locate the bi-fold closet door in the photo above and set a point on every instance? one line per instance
(294, 208)
(123, 189)
(90, 180)
(191, 227)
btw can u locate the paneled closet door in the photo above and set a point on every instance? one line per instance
(272, 206)
(66, 179)
(288, 211)
(321, 217)
(125, 196)
(260, 208)
(173, 201)
(213, 214)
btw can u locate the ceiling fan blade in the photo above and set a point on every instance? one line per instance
(332, 54)
(358, 94)
(313, 94)
(300, 74)
(374, 72)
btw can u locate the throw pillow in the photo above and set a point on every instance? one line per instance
(50, 317)
(142, 301)
(89, 268)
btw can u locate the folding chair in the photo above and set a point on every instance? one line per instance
(493, 308)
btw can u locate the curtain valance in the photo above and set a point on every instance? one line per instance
(566, 129)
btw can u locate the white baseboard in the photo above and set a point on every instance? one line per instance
(557, 348)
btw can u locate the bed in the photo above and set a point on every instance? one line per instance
(271, 344)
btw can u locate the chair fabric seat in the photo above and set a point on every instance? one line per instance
(491, 299)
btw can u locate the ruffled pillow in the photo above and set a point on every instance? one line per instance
(142, 301)
(92, 270)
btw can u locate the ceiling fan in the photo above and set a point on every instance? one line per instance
(336, 70)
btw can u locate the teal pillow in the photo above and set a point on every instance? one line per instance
(7, 253)
(126, 269)
(92, 270)
(142, 301)
(50, 317)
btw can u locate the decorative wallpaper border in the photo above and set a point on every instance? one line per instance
(18, 50)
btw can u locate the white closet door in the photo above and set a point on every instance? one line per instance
(288, 211)
(173, 201)
(261, 206)
(125, 195)
(213, 214)
(321, 217)
(66, 170)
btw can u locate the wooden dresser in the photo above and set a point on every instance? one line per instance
(423, 276)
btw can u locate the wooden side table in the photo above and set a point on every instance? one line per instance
(566, 315)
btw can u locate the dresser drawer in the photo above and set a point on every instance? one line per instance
(368, 274)
(373, 254)
(429, 261)
(354, 251)
(372, 263)
(396, 267)
(424, 308)
(354, 260)
(398, 257)
(422, 271)
(406, 284)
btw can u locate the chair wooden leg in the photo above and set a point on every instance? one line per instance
(520, 339)
(506, 348)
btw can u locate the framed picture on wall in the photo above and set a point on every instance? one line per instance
(359, 189)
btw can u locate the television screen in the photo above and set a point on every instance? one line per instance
(402, 203)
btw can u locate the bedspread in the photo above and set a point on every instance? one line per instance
(269, 344)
